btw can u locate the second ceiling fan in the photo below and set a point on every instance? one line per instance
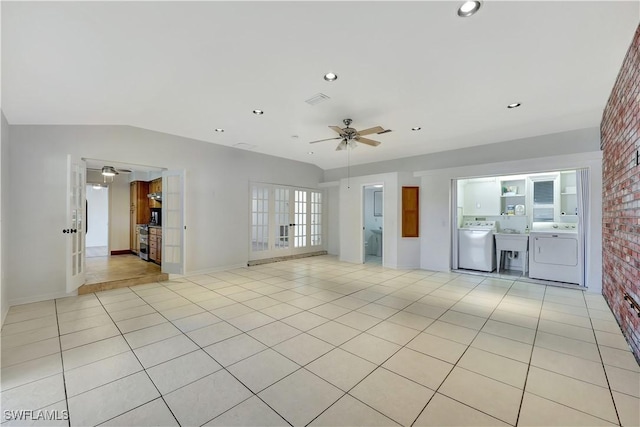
(350, 136)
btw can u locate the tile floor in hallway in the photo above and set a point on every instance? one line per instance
(318, 342)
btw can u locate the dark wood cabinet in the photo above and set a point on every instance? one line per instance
(410, 211)
(139, 211)
(155, 244)
(155, 186)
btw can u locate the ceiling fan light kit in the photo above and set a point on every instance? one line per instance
(109, 171)
(350, 136)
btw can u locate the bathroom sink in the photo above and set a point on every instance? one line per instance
(374, 231)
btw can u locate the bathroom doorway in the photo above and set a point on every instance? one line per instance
(372, 220)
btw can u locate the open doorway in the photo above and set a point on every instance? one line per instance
(97, 238)
(112, 259)
(372, 220)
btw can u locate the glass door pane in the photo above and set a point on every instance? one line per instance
(259, 219)
(316, 219)
(300, 215)
(282, 212)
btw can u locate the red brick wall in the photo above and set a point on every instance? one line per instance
(620, 138)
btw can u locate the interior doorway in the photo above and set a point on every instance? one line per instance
(372, 220)
(97, 223)
(110, 258)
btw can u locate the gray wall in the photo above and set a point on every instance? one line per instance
(575, 141)
(4, 188)
(216, 196)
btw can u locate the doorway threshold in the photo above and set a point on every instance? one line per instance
(119, 271)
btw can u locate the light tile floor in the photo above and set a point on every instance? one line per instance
(320, 342)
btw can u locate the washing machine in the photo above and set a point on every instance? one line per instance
(555, 252)
(476, 246)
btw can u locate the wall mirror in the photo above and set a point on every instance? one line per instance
(377, 203)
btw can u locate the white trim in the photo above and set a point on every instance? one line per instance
(524, 166)
(44, 297)
(207, 271)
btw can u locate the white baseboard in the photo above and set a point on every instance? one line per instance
(208, 270)
(5, 311)
(38, 298)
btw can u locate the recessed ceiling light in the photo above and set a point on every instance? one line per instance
(330, 77)
(468, 8)
(514, 105)
(219, 130)
(416, 128)
(258, 112)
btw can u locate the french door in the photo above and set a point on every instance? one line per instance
(284, 221)
(173, 222)
(76, 215)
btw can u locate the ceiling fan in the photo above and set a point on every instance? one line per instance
(110, 170)
(350, 136)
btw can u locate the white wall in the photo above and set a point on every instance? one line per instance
(97, 216)
(435, 212)
(119, 213)
(4, 190)
(119, 200)
(556, 144)
(332, 191)
(216, 196)
(351, 221)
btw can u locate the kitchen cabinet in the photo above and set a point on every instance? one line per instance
(138, 211)
(155, 186)
(155, 244)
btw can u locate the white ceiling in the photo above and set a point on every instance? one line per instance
(188, 68)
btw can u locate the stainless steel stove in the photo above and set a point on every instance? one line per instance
(144, 242)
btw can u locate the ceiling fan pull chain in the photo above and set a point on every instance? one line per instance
(348, 167)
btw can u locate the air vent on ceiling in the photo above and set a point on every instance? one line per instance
(317, 99)
(244, 146)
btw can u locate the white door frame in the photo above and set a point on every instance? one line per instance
(363, 254)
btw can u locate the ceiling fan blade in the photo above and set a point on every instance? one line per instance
(328, 139)
(367, 141)
(337, 129)
(375, 129)
(385, 131)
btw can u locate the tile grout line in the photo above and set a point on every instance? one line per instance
(289, 277)
(143, 369)
(64, 380)
(526, 377)
(606, 376)
(222, 368)
(462, 355)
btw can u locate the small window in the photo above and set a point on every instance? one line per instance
(543, 192)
